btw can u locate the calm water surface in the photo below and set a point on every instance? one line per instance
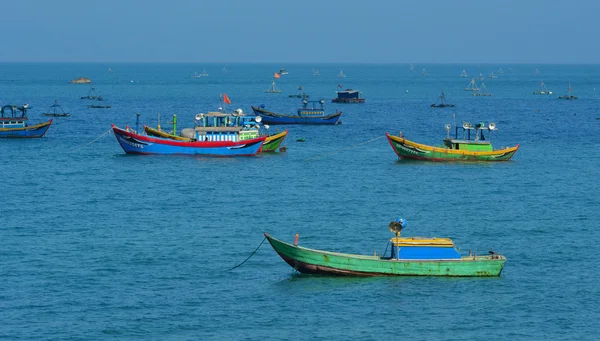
(96, 244)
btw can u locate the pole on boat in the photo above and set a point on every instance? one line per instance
(296, 240)
(174, 124)
(158, 122)
(137, 122)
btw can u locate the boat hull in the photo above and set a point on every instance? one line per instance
(35, 131)
(348, 100)
(133, 143)
(311, 261)
(274, 118)
(272, 142)
(409, 150)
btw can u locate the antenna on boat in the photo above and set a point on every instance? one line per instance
(137, 122)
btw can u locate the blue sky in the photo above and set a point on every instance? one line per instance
(308, 31)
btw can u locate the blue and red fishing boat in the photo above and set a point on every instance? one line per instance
(14, 123)
(214, 134)
(310, 113)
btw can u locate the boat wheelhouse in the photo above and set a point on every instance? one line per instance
(14, 123)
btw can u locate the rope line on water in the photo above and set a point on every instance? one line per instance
(339, 150)
(252, 254)
(96, 139)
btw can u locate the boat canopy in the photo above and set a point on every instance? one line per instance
(12, 111)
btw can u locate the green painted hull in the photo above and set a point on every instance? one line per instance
(406, 149)
(271, 144)
(322, 262)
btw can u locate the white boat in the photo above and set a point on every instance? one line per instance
(273, 89)
(341, 74)
(424, 72)
(198, 75)
(472, 86)
(492, 75)
(542, 90)
(283, 71)
(315, 72)
(464, 73)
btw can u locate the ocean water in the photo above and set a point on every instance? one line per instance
(97, 245)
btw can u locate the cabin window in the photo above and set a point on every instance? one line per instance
(456, 146)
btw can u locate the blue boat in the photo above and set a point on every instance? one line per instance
(214, 134)
(13, 123)
(310, 113)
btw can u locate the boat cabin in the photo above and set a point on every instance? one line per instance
(220, 126)
(348, 96)
(312, 108)
(423, 248)
(13, 116)
(470, 138)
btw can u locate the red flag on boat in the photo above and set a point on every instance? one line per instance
(277, 75)
(226, 99)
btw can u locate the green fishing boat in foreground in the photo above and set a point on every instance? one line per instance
(414, 256)
(471, 146)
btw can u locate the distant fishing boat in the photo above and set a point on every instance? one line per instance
(348, 96)
(472, 86)
(542, 90)
(492, 75)
(483, 91)
(91, 94)
(310, 113)
(99, 102)
(500, 71)
(57, 111)
(14, 123)
(283, 71)
(537, 72)
(409, 256)
(299, 94)
(464, 73)
(412, 69)
(481, 77)
(471, 145)
(443, 103)
(424, 72)
(570, 95)
(273, 89)
(341, 74)
(198, 75)
(315, 72)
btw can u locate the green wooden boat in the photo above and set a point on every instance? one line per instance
(471, 145)
(272, 142)
(415, 256)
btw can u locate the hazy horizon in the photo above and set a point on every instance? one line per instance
(328, 32)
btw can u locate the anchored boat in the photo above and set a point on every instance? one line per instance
(14, 123)
(57, 111)
(570, 95)
(472, 86)
(348, 96)
(215, 134)
(471, 145)
(300, 93)
(310, 113)
(482, 91)
(443, 103)
(273, 89)
(409, 256)
(542, 90)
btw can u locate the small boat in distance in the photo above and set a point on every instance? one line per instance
(57, 111)
(492, 75)
(483, 91)
(542, 90)
(464, 73)
(91, 94)
(273, 89)
(471, 145)
(283, 71)
(14, 123)
(315, 72)
(409, 256)
(310, 113)
(472, 86)
(443, 103)
(299, 94)
(500, 71)
(348, 96)
(424, 72)
(341, 74)
(570, 95)
(198, 75)
(99, 103)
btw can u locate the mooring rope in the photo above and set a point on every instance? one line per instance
(252, 254)
(339, 150)
(96, 139)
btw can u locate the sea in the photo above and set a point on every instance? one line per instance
(99, 245)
